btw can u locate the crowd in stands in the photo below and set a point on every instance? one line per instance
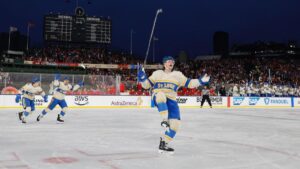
(225, 72)
(78, 55)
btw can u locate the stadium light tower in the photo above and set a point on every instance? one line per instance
(153, 27)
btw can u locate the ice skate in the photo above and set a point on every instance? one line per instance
(60, 119)
(164, 149)
(23, 119)
(20, 114)
(39, 118)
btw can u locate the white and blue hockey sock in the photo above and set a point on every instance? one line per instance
(62, 113)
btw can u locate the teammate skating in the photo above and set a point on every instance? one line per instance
(165, 84)
(29, 91)
(60, 90)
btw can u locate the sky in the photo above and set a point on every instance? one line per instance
(186, 25)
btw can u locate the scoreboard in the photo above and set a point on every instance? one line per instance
(77, 28)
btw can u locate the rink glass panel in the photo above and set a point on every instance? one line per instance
(93, 84)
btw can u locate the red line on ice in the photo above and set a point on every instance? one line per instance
(107, 163)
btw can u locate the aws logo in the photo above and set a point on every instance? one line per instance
(81, 100)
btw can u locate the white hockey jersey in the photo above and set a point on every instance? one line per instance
(291, 91)
(235, 91)
(298, 92)
(285, 90)
(268, 90)
(249, 90)
(169, 83)
(29, 91)
(242, 91)
(255, 90)
(262, 90)
(60, 89)
(278, 91)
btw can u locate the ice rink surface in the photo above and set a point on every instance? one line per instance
(129, 138)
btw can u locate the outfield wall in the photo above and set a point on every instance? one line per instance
(84, 101)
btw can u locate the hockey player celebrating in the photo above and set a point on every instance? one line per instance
(60, 90)
(235, 91)
(250, 90)
(255, 90)
(274, 89)
(29, 91)
(243, 90)
(268, 91)
(285, 91)
(165, 84)
(278, 91)
(298, 92)
(262, 90)
(291, 91)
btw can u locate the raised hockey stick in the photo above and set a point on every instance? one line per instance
(151, 35)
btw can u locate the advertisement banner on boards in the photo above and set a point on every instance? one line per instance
(77, 101)
(261, 102)
(195, 101)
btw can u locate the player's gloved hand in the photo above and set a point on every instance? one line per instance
(204, 80)
(141, 74)
(81, 84)
(57, 77)
(165, 124)
(45, 98)
(18, 98)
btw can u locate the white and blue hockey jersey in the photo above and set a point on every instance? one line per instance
(169, 83)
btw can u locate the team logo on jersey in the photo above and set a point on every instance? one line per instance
(238, 100)
(267, 100)
(253, 100)
(81, 100)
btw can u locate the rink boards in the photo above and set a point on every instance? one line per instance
(85, 101)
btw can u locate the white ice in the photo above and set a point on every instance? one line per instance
(129, 138)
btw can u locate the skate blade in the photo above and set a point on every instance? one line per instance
(59, 122)
(165, 152)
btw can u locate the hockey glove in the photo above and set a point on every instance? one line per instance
(80, 84)
(57, 77)
(204, 80)
(141, 74)
(45, 98)
(18, 98)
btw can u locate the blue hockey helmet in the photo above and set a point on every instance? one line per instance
(35, 79)
(66, 78)
(166, 58)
